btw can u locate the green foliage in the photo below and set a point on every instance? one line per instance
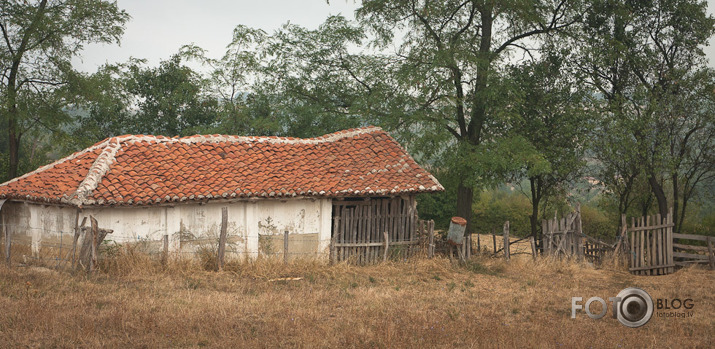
(553, 120)
(439, 207)
(313, 83)
(657, 98)
(450, 65)
(231, 80)
(496, 206)
(598, 224)
(171, 100)
(40, 40)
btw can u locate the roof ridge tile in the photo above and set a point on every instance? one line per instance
(99, 168)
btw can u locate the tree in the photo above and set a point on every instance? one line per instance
(39, 40)
(450, 60)
(231, 80)
(645, 58)
(169, 100)
(554, 120)
(315, 82)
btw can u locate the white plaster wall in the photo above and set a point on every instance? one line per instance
(309, 216)
(33, 223)
(246, 221)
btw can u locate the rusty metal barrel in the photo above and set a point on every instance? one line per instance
(457, 226)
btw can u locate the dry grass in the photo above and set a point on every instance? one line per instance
(135, 302)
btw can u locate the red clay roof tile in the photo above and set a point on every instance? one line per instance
(148, 170)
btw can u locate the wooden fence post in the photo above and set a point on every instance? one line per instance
(479, 243)
(711, 253)
(494, 241)
(93, 256)
(8, 243)
(430, 231)
(579, 233)
(222, 237)
(387, 245)
(334, 239)
(77, 233)
(467, 247)
(285, 246)
(165, 254)
(533, 247)
(506, 240)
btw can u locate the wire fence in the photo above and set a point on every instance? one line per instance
(58, 248)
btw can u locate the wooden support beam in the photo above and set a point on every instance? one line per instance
(165, 254)
(387, 245)
(93, 256)
(222, 237)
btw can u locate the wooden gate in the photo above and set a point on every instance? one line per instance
(562, 237)
(651, 244)
(365, 230)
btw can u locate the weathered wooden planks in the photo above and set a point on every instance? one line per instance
(359, 227)
(651, 245)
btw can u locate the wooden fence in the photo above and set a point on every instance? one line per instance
(507, 242)
(650, 240)
(563, 237)
(364, 231)
(688, 254)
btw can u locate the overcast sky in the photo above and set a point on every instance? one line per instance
(158, 28)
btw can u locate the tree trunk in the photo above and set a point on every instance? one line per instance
(657, 189)
(465, 191)
(14, 148)
(479, 100)
(676, 189)
(465, 196)
(12, 117)
(535, 199)
(11, 94)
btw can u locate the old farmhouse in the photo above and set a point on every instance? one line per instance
(357, 183)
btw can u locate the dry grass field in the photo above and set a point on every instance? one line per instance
(420, 303)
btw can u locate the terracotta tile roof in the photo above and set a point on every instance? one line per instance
(147, 170)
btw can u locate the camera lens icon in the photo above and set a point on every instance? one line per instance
(635, 308)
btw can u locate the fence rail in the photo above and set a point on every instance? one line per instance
(688, 254)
